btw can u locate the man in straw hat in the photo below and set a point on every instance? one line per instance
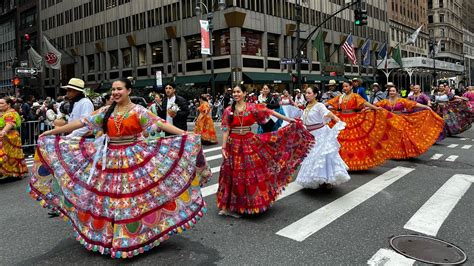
(376, 94)
(79, 105)
(357, 88)
(331, 91)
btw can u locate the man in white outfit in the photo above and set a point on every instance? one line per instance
(80, 106)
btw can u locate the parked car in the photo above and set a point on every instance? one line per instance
(139, 100)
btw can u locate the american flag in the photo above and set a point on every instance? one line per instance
(349, 49)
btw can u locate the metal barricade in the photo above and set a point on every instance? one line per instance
(30, 130)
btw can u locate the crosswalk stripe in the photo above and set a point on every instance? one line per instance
(462, 138)
(452, 158)
(453, 145)
(213, 157)
(429, 218)
(466, 147)
(387, 257)
(436, 156)
(313, 222)
(212, 149)
(209, 190)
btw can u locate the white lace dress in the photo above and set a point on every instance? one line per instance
(323, 163)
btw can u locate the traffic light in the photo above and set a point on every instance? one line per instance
(16, 81)
(294, 78)
(360, 17)
(26, 41)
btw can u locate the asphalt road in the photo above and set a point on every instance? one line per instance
(346, 226)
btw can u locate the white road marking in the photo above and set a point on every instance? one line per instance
(213, 157)
(462, 138)
(292, 188)
(209, 190)
(215, 169)
(452, 158)
(212, 149)
(315, 221)
(387, 257)
(453, 145)
(466, 147)
(429, 218)
(436, 156)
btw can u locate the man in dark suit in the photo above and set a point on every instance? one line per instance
(177, 118)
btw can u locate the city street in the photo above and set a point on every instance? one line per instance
(350, 225)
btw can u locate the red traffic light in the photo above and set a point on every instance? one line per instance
(27, 37)
(16, 81)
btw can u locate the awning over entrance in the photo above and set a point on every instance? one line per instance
(192, 80)
(316, 78)
(222, 78)
(143, 83)
(264, 77)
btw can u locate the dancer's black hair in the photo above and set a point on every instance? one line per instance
(128, 86)
(234, 103)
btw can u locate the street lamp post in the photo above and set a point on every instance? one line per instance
(210, 16)
(298, 37)
(432, 43)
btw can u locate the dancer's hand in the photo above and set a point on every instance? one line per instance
(225, 154)
(46, 133)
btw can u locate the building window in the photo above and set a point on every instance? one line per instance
(127, 57)
(222, 42)
(441, 4)
(157, 53)
(193, 47)
(272, 45)
(113, 59)
(441, 18)
(251, 43)
(91, 62)
(142, 55)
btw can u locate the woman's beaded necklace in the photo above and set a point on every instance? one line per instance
(120, 116)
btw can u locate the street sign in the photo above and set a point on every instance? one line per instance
(24, 64)
(287, 61)
(25, 71)
(305, 61)
(159, 79)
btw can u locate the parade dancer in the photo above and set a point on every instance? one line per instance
(323, 166)
(415, 132)
(419, 96)
(256, 167)
(267, 98)
(12, 159)
(122, 193)
(365, 141)
(204, 124)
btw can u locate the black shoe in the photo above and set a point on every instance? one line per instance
(53, 214)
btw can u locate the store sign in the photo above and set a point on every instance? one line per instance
(159, 79)
(422, 62)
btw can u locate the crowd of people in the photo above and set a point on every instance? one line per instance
(129, 177)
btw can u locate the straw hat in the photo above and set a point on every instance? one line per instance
(375, 84)
(356, 79)
(389, 85)
(75, 84)
(332, 83)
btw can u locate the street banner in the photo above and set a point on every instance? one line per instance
(35, 59)
(159, 79)
(205, 38)
(52, 55)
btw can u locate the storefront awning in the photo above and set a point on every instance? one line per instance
(222, 78)
(316, 78)
(192, 80)
(143, 83)
(257, 77)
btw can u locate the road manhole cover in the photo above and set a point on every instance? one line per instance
(428, 249)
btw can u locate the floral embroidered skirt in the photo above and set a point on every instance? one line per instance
(366, 140)
(12, 159)
(414, 133)
(205, 128)
(148, 191)
(458, 117)
(259, 166)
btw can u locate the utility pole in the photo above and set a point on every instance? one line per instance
(298, 51)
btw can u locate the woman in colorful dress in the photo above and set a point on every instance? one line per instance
(323, 166)
(124, 194)
(267, 98)
(365, 141)
(419, 96)
(204, 123)
(469, 95)
(454, 110)
(12, 159)
(415, 132)
(289, 107)
(256, 167)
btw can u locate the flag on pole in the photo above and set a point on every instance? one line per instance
(436, 49)
(366, 52)
(318, 43)
(397, 56)
(383, 51)
(414, 36)
(52, 56)
(35, 59)
(205, 38)
(349, 49)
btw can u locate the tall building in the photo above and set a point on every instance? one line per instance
(468, 41)
(103, 40)
(7, 44)
(405, 17)
(445, 25)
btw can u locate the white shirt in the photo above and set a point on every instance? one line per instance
(82, 108)
(316, 115)
(170, 102)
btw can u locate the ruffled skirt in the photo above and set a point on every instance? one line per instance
(324, 165)
(259, 166)
(148, 191)
(458, 117)
(366, 141)
(12, 159)
(205, 128)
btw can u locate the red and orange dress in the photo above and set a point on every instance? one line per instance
(123, 193)
(258, 166)
(416, 131)
(365, 142)
(12, 159)
(205, 125)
